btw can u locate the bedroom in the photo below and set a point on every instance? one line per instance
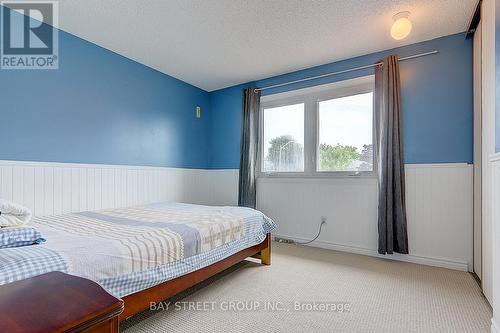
(328, 166)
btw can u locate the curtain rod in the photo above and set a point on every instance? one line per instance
(343, 71)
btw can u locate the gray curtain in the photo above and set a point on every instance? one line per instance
(249, 148)
(392, 227)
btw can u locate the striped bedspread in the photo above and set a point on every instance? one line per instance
(130, 249)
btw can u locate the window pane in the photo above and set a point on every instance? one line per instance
(345, 134)
(283, 139)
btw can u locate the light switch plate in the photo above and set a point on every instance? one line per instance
(198, 111)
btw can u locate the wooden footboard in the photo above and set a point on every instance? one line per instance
(141, 300)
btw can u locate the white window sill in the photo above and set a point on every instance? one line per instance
(318, 175)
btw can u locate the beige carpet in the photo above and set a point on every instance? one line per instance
(383, 295)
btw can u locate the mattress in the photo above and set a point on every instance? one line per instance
(131, 249)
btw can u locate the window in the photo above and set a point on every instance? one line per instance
(284, 138)
(318, 131)
(346, 133)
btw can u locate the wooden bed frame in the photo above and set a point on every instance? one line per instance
(141, 300)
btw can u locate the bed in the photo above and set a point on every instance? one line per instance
(142, 254)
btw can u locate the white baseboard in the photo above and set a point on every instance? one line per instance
(444, 263)
(495, 328)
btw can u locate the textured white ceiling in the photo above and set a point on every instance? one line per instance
(218, 43)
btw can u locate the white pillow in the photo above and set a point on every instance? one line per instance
(13, 214)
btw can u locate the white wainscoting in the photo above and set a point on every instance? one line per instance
(223, 187)
(439, 206)
(439, 202)
(57, 188)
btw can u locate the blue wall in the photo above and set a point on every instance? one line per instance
(100, 107)
(436, 94)
(225, 127)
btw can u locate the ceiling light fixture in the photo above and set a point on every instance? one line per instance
(401, 26)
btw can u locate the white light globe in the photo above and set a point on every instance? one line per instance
(401, 28)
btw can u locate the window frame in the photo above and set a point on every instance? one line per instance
(311, 97)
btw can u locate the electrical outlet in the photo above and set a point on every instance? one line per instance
(283, 240)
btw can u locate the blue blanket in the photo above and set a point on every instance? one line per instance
(131, 249)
